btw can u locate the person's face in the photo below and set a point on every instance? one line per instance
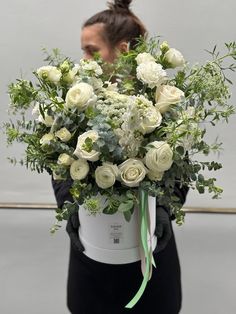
(92, 41)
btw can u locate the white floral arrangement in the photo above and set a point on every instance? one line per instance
(118, 129)
(115, 128)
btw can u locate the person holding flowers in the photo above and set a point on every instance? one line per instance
(119, 133)
(96, 287)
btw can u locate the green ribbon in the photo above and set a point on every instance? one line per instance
(143, 201)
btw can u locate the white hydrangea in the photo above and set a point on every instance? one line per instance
(114, 106)
(132, 117)
(141, 116)
(129, 141)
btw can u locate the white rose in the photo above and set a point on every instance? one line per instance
(50, 73)
(174, 58)
(166, 96)
(106, 175)
(151, 120)
(144, 57)
(79, 169)
(79, 96)
(151, 73)
(63, 134)
(160, 157)
(46, 139)
(132, 172)
(65, 159)
(85, 152)
(155, 175)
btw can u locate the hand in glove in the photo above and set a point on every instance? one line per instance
(72, 229)
(62, 194)
(163, 229)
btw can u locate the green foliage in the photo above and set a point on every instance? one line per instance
(22, 94)
(55, 57)
(107, 143)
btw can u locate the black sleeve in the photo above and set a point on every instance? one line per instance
(181, 193)
(61, 191)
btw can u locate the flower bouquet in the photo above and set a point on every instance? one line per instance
(123, 131)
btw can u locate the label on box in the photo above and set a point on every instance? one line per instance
(116, 233)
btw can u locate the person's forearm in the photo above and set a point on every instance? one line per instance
(62, 191)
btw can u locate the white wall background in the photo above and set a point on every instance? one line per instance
(29, 25)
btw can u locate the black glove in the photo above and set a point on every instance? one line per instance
(163, 229)
(72, 229)
(62, 194)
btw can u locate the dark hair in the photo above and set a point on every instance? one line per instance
(120, 23)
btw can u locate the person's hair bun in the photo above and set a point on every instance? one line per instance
(120, 4)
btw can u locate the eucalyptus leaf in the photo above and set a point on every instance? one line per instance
(127, 206)
(127, 215)
(110, 210)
